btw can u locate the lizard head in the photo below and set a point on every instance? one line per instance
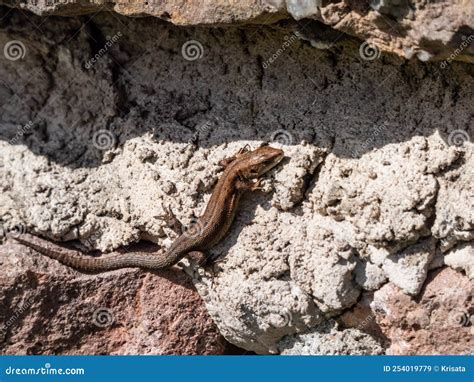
(257, 162)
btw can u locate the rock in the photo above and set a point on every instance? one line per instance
(300, 9)
(426, 30)
(290, 181)
(438, 260)
(47, 308)
(267, 304)
(363, 319)
(462, 258)
(396, 8)
(454, 221)
(324, 267)
(326, 339)
(408, 269)
(369, 276)
(438, 321)
(386, 210)
(130, 124)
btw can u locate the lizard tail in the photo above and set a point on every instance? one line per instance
(80, 261)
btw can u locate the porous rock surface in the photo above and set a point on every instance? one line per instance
(416, 28)
(93, 151)
(437, 321)
(327, 339)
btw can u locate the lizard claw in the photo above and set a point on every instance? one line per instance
(244, 149)
(226, 161)
(210, 259)
(257, 186)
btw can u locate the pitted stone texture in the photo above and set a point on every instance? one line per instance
(290, 180)
(388, 195)
(362, 318)
(438, 321)
(408, 268)
(455, 204)
(250, 294)
(369, 276)
(327, 339)
(323, 266)
(461, 258)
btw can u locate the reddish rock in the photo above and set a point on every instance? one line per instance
(438, 321)
(47, 308)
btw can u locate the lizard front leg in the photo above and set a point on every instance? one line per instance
(226, 161)
(244, 184)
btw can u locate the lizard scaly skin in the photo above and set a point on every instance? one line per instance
(239, 174)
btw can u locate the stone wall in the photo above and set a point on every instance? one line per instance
(106, 120)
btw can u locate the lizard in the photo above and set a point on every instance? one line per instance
(242, 172)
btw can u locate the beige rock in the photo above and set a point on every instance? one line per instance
(454, 223)
(327, 339)
(388, 195)
(462, 258)
(408, 269)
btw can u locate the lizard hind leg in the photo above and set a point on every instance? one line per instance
(172, 221)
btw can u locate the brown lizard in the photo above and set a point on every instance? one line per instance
(241, 172)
